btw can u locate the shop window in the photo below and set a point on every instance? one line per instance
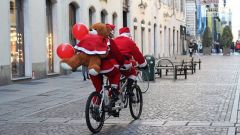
(49, 37)
(17, 38)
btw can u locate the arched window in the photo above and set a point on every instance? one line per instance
(155, 39)
(135, 30)
(165, 42)
(72, 21)
(114, 22)
(104, 16)
(125, 12)
(169, 42)
(143, 36)
(149, 44)
(92, 16)
(135, 20)
(49, 37)
(17, 38)
(173, 41)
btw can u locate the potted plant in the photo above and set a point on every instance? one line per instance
(226, 40)
(207, 41)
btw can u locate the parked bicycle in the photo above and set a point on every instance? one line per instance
(98, 104)
(143, 80)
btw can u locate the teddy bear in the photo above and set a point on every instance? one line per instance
(91, 49)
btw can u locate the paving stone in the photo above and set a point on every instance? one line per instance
(199, 123)
(231, 131)
(176, 123)
(56, 120)
(27, 120)
(222, 124)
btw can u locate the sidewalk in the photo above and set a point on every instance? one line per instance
(62, 85)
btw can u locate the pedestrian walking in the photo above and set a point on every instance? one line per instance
(85, 73)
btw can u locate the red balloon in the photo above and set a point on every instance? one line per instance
(65, 50)
(79, 30)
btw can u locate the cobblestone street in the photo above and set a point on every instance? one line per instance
(206, 103)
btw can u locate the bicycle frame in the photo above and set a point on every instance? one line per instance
(105, 96)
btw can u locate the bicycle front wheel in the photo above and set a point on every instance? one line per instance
(94, 113)
(143, 81)
(136, 102)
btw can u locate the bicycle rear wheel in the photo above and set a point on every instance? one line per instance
(136, 102)
(143, 81)
(94, 115)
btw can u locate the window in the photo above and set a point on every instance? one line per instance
(17, 38)
(143, 36)
(49, 37)
(135, 38)
(92, 16)
(114, 22)
(72, 21)
(104, 16)
(125, 13)
(135, 35)
(173, 41)
(125, 19)
(170, 3)
(182, 6)
(155, 39)
(169, 42)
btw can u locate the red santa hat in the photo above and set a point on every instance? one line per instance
(124, 30)
(111, 26)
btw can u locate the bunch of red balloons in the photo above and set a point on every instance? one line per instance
(66, 50)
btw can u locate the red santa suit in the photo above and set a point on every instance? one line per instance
(129, 49)
(93, 44)
(109, 67)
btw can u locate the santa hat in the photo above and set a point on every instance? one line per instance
(124, 30)
(111, 26)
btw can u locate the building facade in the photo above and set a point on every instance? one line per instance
(191, 18)
(31, 30)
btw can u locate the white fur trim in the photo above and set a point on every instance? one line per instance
(106, 71)
(126, 35)
(143, 64)
(66, 66)
(108, 42)
(89, 52)
(117, 66)
(132, 77)
(93, 72)
(93, 32)
(128, 66)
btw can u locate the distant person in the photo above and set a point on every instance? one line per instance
(85, 73)
(191, 47)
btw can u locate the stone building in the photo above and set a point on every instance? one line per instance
(191, 18)
(31, 30)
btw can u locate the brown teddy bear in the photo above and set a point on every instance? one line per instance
(91, 49)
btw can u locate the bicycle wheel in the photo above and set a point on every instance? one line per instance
(94, 115)
(143, 81)
(136, 102)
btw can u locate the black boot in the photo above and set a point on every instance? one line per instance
(114, 94)
(129, 87)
